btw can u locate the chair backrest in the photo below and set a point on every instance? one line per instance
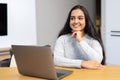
(13, 62)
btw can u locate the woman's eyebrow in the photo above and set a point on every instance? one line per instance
(72, 16)
(80, 15)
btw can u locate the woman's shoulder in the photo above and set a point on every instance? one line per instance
(64, 36)
(89, 38)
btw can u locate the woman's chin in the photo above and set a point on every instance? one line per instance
(76, 29)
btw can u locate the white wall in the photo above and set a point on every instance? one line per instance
(110, 22)
(21, 23)
(51, 16)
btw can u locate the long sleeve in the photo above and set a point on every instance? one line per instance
(59, 55)
(94, 51)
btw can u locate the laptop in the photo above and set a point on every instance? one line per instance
(37, 61)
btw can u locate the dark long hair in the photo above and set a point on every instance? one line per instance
(89, 28)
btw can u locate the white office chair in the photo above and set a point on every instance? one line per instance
(13, 62)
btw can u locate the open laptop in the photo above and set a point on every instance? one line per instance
(37, 61)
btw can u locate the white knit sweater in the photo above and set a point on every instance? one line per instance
(69, 52)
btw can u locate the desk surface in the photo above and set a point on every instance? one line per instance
(109, 73)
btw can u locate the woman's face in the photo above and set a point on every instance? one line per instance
(77, 20)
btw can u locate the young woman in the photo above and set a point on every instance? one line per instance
(78, 44)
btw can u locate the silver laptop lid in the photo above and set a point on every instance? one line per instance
(35, 61)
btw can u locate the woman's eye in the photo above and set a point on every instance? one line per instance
(80, 18)
(71, 18)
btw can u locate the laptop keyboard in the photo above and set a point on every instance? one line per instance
(60, 74)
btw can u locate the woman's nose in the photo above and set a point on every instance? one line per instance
(76, 21)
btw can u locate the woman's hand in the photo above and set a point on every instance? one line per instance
(91, 64)
(78, 35)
